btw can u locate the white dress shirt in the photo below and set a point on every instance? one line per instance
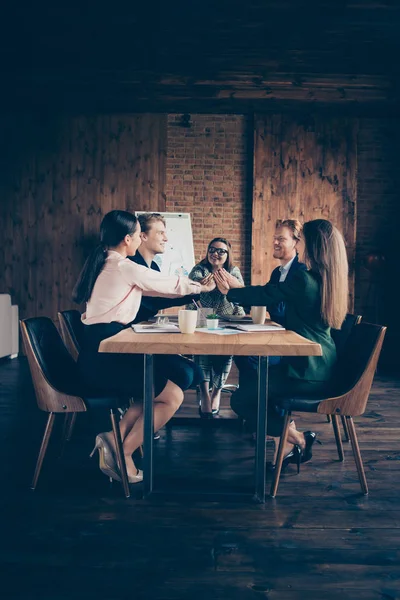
(284, 269)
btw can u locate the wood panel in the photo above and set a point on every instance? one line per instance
(167, 57)
(304, 168)
(59, 176)
(278, 343)
(77, 537)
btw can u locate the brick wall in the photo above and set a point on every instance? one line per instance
(208, 175)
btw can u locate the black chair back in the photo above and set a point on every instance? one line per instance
(356, 355)
(72, 331)
(340, 336)
(53, 358)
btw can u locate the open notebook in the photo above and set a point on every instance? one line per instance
(154, 328)
(252, 327)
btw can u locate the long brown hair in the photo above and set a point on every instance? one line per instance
(325, 254)
(228, 264)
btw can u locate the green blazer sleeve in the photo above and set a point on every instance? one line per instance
(302, 297)
(262, 295)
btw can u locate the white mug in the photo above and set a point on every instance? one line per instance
(187, 320)
(258, 314)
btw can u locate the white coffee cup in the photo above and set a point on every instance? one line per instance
(187, 320)
(258, 314)
(212, 323)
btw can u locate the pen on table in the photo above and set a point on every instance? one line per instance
(195, 303)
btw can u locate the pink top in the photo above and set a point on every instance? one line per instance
(118, 290)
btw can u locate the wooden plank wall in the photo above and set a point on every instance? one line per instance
(59, 176)
(304, 168)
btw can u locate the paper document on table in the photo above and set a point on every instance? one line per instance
(165, 328)
(252, 327)
(219, 331)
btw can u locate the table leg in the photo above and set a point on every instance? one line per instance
(148, 425)
(260, 475)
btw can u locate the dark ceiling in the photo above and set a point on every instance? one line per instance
(203, 56)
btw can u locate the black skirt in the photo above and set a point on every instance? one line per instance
(123, 374)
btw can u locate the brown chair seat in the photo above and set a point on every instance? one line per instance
(59, 387)
(347, 395)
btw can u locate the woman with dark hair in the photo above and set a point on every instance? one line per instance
(216, 368)
(112, 287)
(316, 300)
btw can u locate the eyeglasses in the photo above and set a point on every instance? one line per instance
(219, 251)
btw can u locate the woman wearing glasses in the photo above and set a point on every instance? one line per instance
(216, 368)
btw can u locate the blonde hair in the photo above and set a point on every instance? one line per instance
(293, 224)
(146, 220)
(325, 254)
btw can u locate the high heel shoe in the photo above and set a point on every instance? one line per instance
(205, 415)
(136, 478)
(310, 437)
(107, 463)
(294, 457)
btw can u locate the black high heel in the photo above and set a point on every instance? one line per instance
(294, 457)
(310, 437)
(205, 415)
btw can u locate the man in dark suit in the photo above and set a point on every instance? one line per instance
(287, 234)
(182, 371)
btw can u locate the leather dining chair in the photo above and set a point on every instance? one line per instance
(71, 328)
(59, 389)
(348, 395)
(340, 337)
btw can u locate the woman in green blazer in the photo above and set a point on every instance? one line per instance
(315, 300)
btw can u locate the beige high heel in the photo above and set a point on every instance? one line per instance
(107, 464)
(136, 478)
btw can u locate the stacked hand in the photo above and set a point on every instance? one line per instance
(208, 283)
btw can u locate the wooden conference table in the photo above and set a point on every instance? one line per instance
(263, 344)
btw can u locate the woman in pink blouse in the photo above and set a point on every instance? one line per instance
(112, 287)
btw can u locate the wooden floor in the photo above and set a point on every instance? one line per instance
(77, 537)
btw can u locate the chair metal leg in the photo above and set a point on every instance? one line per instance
(68, 427)
(328, 418)
(43, 448)
(120, 452)
(345, 429)
(64, 432)
(338, 438)
(279, 458)
(357, 455)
